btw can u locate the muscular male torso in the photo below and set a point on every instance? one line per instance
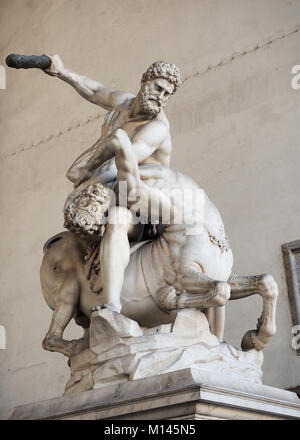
(138, 131)
(120, 117)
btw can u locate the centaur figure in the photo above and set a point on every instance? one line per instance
(188, 265)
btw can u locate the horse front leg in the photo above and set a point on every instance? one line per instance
(66, 307)
(265, 286)
(53, 340)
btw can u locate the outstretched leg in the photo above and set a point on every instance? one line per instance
(194, 289)
(265, 286)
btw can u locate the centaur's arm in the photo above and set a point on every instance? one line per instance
(88, 88)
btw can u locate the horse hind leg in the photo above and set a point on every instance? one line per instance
(216, 319)
(194, 289)
(265, 286)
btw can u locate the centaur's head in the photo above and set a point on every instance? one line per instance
(85, 210)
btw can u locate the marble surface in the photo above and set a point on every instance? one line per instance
(186, 394)
(120, 351)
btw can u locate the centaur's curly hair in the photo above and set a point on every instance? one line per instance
(79, 217)
(167, 71)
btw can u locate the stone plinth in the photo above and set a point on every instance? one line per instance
(120, 351)
(186, 394)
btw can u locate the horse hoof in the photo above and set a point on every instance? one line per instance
(249, 340)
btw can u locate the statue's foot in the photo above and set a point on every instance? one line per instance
(111, 307)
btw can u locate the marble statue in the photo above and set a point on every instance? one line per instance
(149, 290)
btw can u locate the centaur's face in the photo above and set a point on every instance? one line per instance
(86, 211)
(155, 94)
(90, 215)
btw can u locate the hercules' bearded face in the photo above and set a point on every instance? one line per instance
(154, 95)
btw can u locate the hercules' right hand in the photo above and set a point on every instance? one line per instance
(57, 67)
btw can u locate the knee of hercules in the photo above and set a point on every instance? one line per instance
(222, 293)
(119, 218)
(269, 287)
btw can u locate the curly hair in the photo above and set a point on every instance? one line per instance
(161, 69)
(75, 207)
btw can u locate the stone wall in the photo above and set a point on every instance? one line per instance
(235, 128)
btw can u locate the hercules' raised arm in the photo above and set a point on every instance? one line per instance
(88, 88)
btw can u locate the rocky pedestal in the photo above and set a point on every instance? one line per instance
(173, 371)
(120, 351)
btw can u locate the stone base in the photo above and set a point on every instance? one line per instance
(187, 394)
(119, 350)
